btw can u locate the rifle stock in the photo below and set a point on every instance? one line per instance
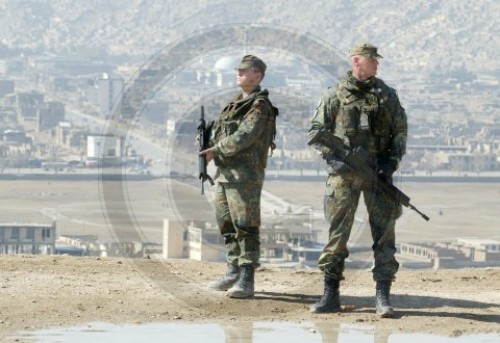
(358, 165)
(203, 141)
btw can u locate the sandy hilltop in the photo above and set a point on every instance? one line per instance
(441, 56)
(59, 291)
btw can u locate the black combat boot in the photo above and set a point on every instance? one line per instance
(227, 280)
(243, 288)
(330, 301)
(382, 303)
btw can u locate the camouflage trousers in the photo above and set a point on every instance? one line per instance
(340, 204)
(237, 210)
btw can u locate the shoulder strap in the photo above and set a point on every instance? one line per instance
(274, 113)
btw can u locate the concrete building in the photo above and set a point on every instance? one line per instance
(27, 238)
(457, 254)
(110, 89)
(480, 250)
(205, 243)
(174, 239)
(15, 137)
(89, 245)
(80, 245)
(28, 104)
(198, 241)
(6, 87)
(63, 133)
(287, 241)
(50, 114)
(107, 148)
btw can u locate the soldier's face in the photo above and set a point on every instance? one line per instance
(368, 66)
(248, 78)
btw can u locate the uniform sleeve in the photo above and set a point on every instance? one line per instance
(252, 126)
(399, 129)
(324, 119)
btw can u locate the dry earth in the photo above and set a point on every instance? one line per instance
(58, 291)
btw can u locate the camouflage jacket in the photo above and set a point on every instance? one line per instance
(241, 138)
(366, 114)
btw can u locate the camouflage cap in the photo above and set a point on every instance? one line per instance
(365, 49)
(250, 61)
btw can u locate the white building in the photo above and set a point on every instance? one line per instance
(224, 71)
(288, 241)
(110, 88)
(27, 238)
(104, 146)
(463, 252)
(193, 242)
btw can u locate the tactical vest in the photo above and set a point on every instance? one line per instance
(232, 115)
(363, 118)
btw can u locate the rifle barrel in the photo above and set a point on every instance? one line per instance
(203, 144)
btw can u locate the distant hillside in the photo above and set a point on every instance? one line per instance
(423, 36)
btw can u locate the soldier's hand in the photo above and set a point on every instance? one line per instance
(336, 165)
(386, 169)
(208, 153)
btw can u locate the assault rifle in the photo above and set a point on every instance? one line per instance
(203, 135)
(358, 164)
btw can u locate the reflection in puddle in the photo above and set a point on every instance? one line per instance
(240, 332)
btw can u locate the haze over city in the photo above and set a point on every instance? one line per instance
(100, 87)
(99, 107)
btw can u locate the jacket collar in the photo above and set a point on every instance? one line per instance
(354, 84)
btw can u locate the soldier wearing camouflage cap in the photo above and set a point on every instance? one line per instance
(365, 49)
(250, 61)
(367, 116)
(240, 140)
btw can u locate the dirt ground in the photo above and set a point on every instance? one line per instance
(60, 291)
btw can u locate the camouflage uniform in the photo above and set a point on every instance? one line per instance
(241, 138)
(367, 115)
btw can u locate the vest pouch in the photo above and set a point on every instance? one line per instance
(229, 127)
(364, 118)
(330, 186)
(382, 126)
(350, 119)
(215, 133)
(382, 132)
